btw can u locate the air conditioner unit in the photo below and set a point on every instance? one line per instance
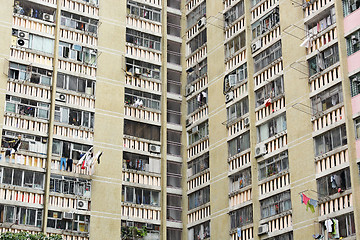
(201, 23)
(229, 96)
(328, 53)
(256, 46)
(260, 150)
(189, 90)
(48, 17)
(356, 80)
(24, 35)
(137, 71)
(154, 148)
(60, 97)
(68, 215)
(232, 78)
(188, 122)
(246, 122)
(195, 129)
(22, 42)
(82, 205)
(263, 229)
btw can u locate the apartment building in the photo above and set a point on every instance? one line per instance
(191, 119)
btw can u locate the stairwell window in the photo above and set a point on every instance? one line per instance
(330, 140)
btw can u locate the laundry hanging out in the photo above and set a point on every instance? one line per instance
(309, 202)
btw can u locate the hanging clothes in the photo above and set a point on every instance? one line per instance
(305, 199)
(329, 225)
(335, 228)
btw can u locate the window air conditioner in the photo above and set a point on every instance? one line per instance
(21, 42)
(328, 53)
(154, 148)
(247, 122)
(60, 97)
(137, 71)
(48, 17)
(260, 150)
(232, 78)
(256, 46)
(68, 215)
(188, 122)
(229, 96)
(24, 35)
(201, 23)
(189, 90)
(82, 205)
(263, 229)
(195, 129)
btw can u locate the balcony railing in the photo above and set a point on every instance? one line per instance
(199, 213)
(190, 5)
(280, 223)
(29, 89)
(64, 202)
(278, 142)
(33, 24)
(270, 37)
(31, 57)
(265, 111)
(81, 6)
(8, 193)
(142, 24)
(325, 78)
(199, 114)
(143, 83)
(26, 123)
(198, 147)
(327, 36)
(332, 160)
(246, 233)
(197, 56)
(139, 177)
(236, 60)
(260, 9)
(239, 161)
(198, 180)
(317, 6)
(235, 28)
(73, 132)
(136, 51)
(78, 37)
(335, 204)
(75, 67)
(25, 159)
(140, 211)
(274, 184)
(329, 118)
(55, 165)
(240, 197)
(141, 113)
(80, 100)
(236, 126)
(272, 71)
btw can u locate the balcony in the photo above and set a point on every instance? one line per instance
(238, 161)
(198, 179)
(236, 126)
(280, 223)
(239, 197)
(246, 234)
(33, 24)
(141, 113)
(236, 60)
(149, 84)
(69, 131)
(30, 57)
(326, 77)
(140, 211)
(199, 213)
(139, 52)
(142, 25)
(140, 177)
(25, 159)
(323, 39)
(197, 56)
(276, 105)
(198, 147)
(55, 167)
(316, 7)
(259, 10)
(29, 89)
(277, 142)
(15, 230)
(274, 183)
(75, 67)
(235, 28)
(200, 113)
(331, 161)
(137, 144)
(18, 194)
(199, 83)
(16, 121)
(274, 70)
(190, 5)
(78, 37)
(79, 100)
(270, 37)
(335, 204)
(328, 118)
(56, 201)
(81, 6)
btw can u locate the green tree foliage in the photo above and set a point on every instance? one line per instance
(130, 233)
(27, 236)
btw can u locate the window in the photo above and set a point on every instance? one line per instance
(79, 223)
(30, 73)
(275, 205)
(334, 183)
(201, 231)
(41, 44)
(78, 53)
(286, 236)
(350, 6)
(173, 233)
(353, 42)
(33, 10)
(266, 23)
(173, 112)
(138, 162)
(357, 127)
(144, 69)
(174, 174)
(274, 165)
(68, 149)
(79, 22)
(148, 100)
(153, 231)
(271, 90)
(271, 128)
(235, 44)
(76, 84)
(143, 11)
(327, 99)
(240, 180)
(174, 142)
(21, 215)
(330, 140)
(22, 178)
(142, 130)
(174, 207)
(267, 56)
(198, 132)
(319, 25)
(196, 42)
(199, 197)
(241, 217)
(197, 101)
(235, 77)
(74, 117)
(27, 107)
(140, 196)
(323, 60)
(198, 165)
(197, 71)
(346, 224)
(68, 185)
(238, 109)
(355, 84)
(234, 13)
(239, 144)
(254, 2)
(143, 39)
(29, 143)
(196, 14)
